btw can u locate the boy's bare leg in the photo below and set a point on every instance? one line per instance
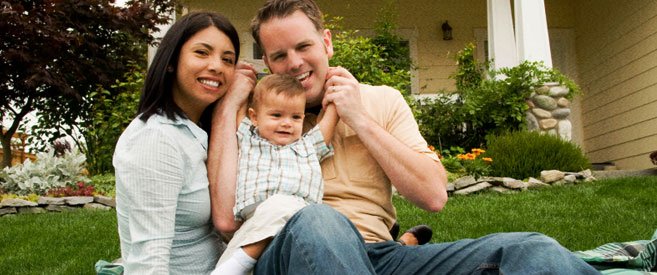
(243, 260)
(254, 250)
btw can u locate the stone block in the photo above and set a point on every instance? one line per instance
(51, 200)
(60, 208)
(109, 201)
(7, 211)
(96, 206)
(14, 202)
(79, 200)
(545, 102)
(558, 91)
(550, 176)
(516, 184)
(548, 123)
(31, 210)
(474, 188)
(464, 182)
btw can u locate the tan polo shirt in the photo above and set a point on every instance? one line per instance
(354, 183)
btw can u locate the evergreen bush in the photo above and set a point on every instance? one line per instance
(381, 60)
(524, 154)
(112, 111)
(486, 102)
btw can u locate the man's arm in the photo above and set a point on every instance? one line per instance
(223, 150)
(417, 177)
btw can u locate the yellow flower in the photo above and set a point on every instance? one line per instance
(489, 160)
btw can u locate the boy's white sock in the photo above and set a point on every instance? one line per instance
(238, 263)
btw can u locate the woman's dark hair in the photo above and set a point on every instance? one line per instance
(157, 94)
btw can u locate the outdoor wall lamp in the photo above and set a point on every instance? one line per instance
(447, 31)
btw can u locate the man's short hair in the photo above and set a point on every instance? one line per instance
(283, 8)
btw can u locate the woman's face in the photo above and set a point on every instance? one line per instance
(205, 70)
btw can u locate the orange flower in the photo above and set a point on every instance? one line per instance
(478, 151)
(432, 148)
(488, 160)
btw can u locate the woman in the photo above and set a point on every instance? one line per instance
(162, 195)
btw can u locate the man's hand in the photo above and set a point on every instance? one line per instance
(342, 89)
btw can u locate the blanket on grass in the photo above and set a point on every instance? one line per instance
(624, 258)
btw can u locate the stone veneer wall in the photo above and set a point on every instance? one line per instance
(549, 110)
(50, 204)
(468, 184)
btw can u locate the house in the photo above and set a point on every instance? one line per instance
(608, 47)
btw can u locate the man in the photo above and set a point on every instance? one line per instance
(377, 144)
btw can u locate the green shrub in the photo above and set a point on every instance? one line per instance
(524, 154)
(111, 112)
(370, 60)
(483, 104)
(105, 184)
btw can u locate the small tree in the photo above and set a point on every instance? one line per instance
(54, 52)
(367, 60)
(110, 115)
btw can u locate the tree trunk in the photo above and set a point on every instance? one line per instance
(6, 149)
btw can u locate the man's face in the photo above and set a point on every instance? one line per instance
(293, 46)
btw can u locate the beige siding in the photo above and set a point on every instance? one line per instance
(615, 61)
(433, 56)
(617, 58)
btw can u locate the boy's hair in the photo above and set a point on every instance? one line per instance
(283, 8)
(276, 84)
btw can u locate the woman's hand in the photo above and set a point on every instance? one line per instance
(242, 85)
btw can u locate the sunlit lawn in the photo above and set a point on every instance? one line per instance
(580, 217)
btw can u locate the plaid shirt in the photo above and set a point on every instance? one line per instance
(266, 169)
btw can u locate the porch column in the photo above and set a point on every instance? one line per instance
(532, 32)
(501, 40)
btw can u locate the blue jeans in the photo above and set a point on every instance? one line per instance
(319, 240)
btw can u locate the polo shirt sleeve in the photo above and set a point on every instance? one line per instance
(401, 123)
(153, 175)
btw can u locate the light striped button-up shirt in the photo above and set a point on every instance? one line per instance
(266, 169)
(163, 200)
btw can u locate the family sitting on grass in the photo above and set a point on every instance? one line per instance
(183, 189)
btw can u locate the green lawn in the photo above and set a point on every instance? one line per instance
(580, 217)
(57, 243)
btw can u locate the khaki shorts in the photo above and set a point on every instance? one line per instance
(266, 221)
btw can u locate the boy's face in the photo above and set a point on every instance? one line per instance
(279, 118)
(294, 47)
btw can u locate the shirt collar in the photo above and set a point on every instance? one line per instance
(196, 131)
